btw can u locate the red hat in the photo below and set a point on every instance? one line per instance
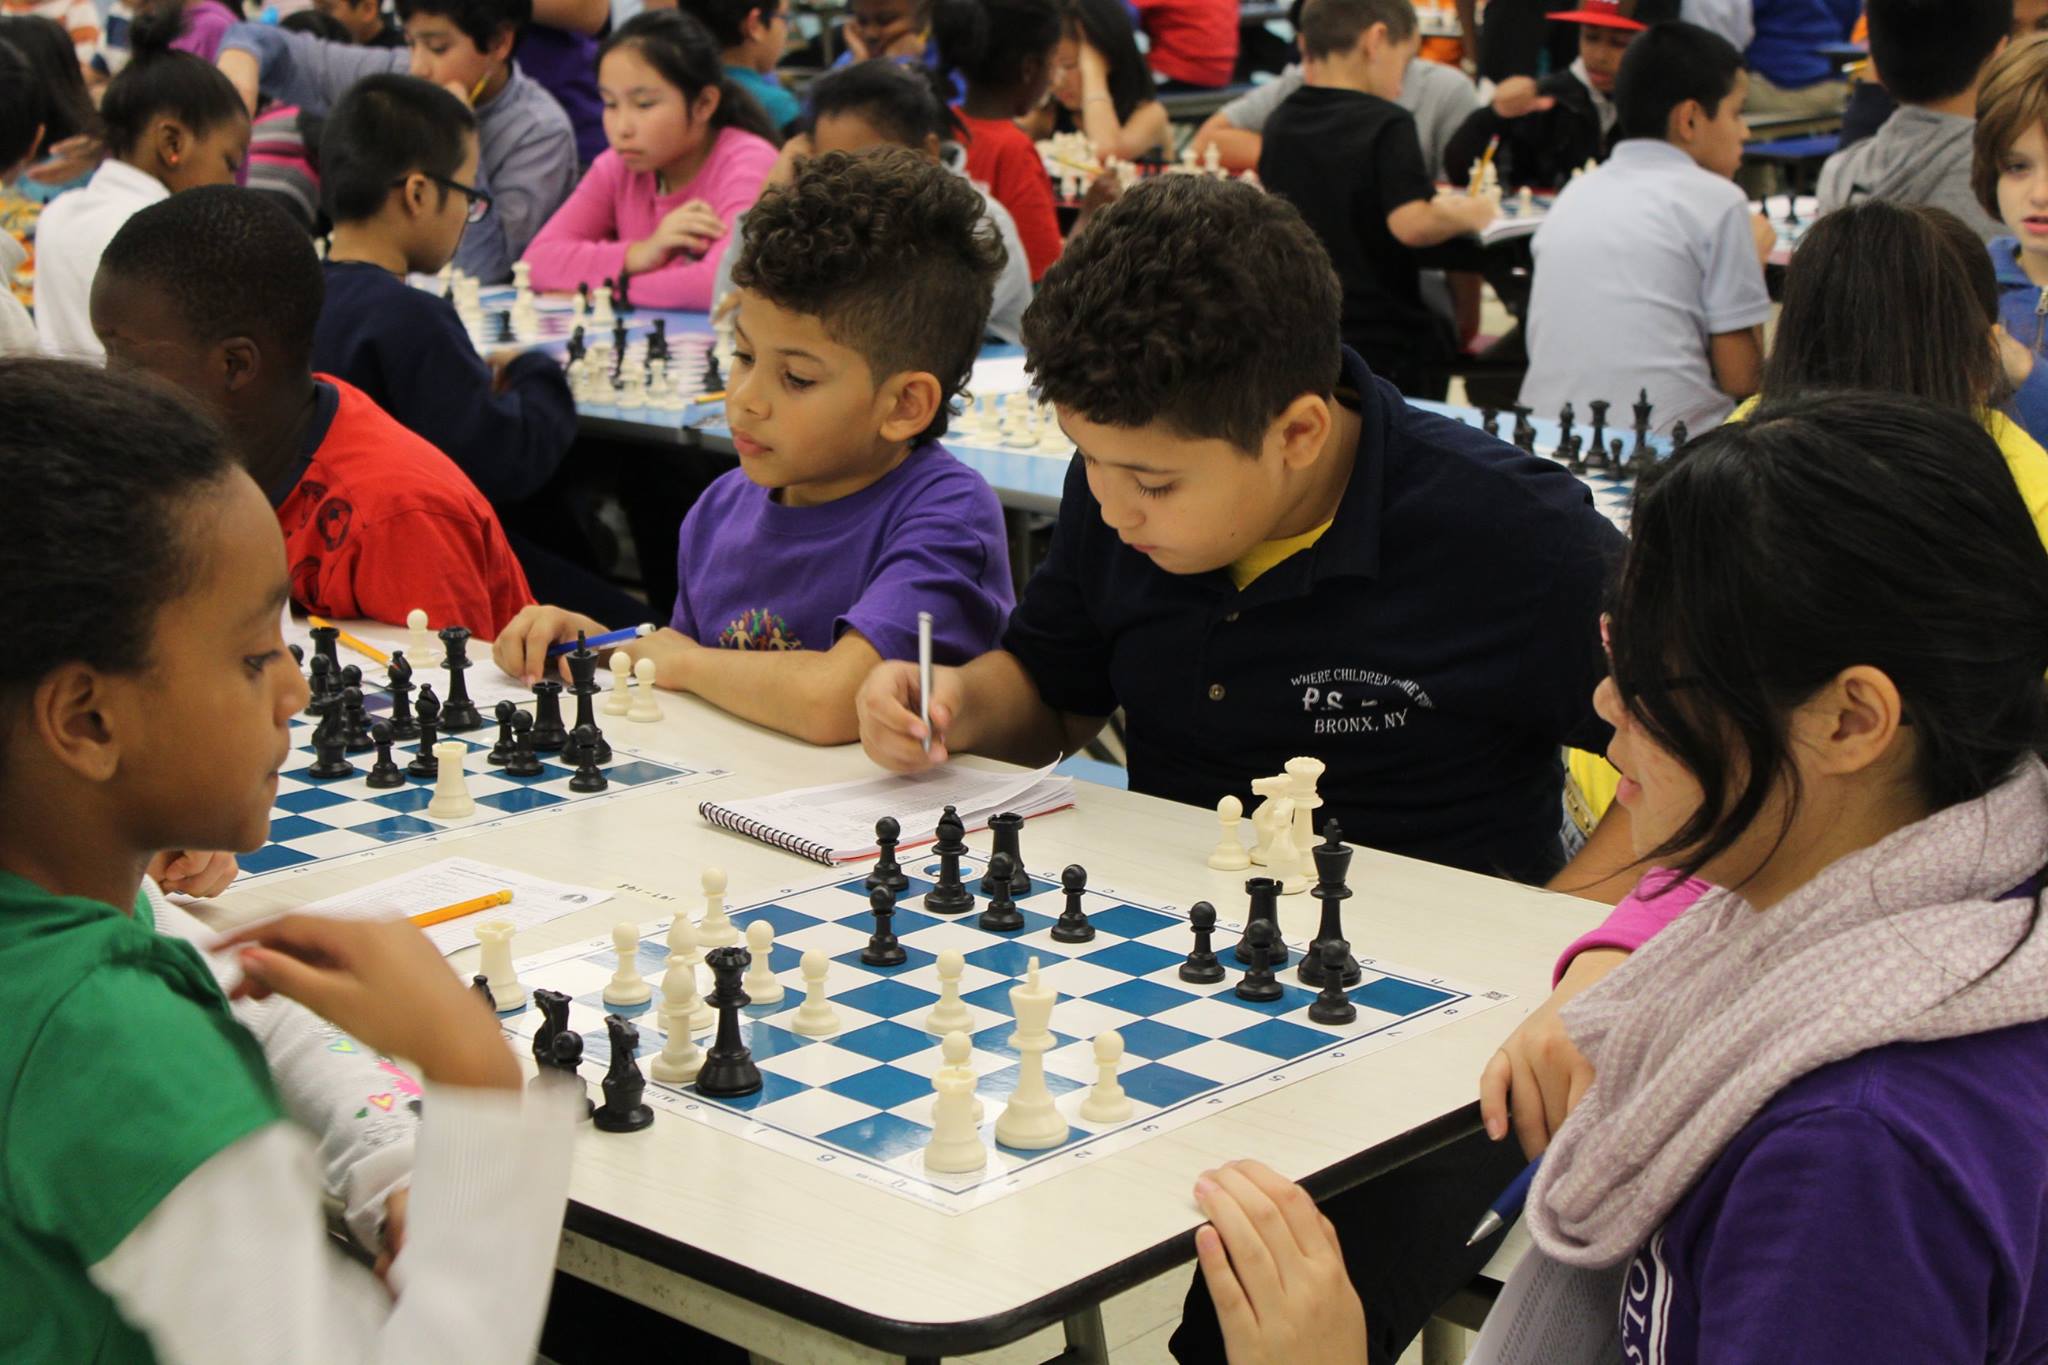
(1634, 15)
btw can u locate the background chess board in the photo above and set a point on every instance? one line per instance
(860, 1102)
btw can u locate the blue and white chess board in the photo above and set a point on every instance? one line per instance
(315, 823)
(859, 1102)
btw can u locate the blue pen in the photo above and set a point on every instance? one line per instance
(1508, 1207)
(610, 637)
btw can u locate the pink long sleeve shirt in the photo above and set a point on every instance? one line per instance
(587, 239)
(1659, 898)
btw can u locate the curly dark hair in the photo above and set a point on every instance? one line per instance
(1202, 304)
(894, 254)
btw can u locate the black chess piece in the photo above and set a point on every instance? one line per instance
(1679, 436)
(1614, 459)
(1006, 830)
(1073, 925)
(1642, 410)
(328, 750)
(1598, 443)
(883, 950)
(503, 319)
(355, 727)
(583, 299)
(576, 348)
(384, 772)
(1258, 983)
(481, 984)
(554, 1019)
(501, 752)
(1331, 1005)
(949, 895)
(1202, 967)
(729, 1068)
(622, 302)
(322, 693)
(1264, 894)
(1567, 423)
(1525, 431)
(619, 337)
(888, 873)
(458, 713)
(298, 655)
(623, 1110)
(657, 340)
(398, 680)
(1002, 915)
(587, 777)
(325, 639)
(583, 686)
(1333, 866)
(567, 1051)
(549, 734)
(524, 762)
(1489, 420)
(424, 764)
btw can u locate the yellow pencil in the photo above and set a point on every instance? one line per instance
(1491, 148)
(359, 646)
(710, 397)
(458, 910)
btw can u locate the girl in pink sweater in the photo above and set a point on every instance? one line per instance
(689, 151)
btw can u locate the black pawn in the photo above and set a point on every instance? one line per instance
(587, 777)
(328, 750)
(503, 319)
(949, 895)
(1525, 431)
(729, 1068)
(1333, 866)
(1264, 894)
(424, 764)
(398, 679)
(1331, 1005)
(1202, 968)
(1007, 830)
(1679, 436)
(501, 752)
(320, 697)
(481, 984)
(576, 347)
(888, 873)
(567, 1051)
(624, 1086)
(458, 713)
(1073, 925)
(883, 950)
(550, 736)
(1489, 419)
(1258, 983)
(355, 727)
(384, 773)
(523, 762)
(1002, 915)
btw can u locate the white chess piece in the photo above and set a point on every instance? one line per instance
(1229, 854)
(679, 995)
(645, 707)
(1270, 788)
(495, 937)
(680, 1059)
(452, 800)
(1030, 1122)
(714, 929)
(1107, 1102)
(627, 986)
(419, 641)
(682, 942)
(619, 701)
(951, 1014)
(955, 1146)
(1304, 773)
(1283, 856)
(761, 986)
(815, 1018)
(1525, 202)
(953, 1056)
(601, 306)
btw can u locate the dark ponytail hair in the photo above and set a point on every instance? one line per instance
(1831, 530)
(909, 102)
(1106, 26)
(1927, 337)
(175, 83)
(682, 50)
(53, 59)
(727, 19)
(989, 41)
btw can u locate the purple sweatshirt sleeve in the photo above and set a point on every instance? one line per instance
(950, 558)
(1658, 899)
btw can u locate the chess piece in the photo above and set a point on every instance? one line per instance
(645, 707)
(1270, 789)
(582, 662)
(1107, 1102)
(566, 1066)
(679, 993)
(627, 989)
(557, 1049)
(587, 777)
(949, 895)
(1264, 895)
(1201, 967)
(1002, 915)
(1283, 856)
(320, 692)
(355, 729)
(1489, 421)
(1258, 984)
(1679, 436)
(623, 1110)
(1072, 925)
(951, 1013)
(1598, 443)
(328, 749)
(428, 713)
(384, 773)
(761, 984)
(888, 873)
(1031, 1122)
(398, 681)
(815, 1018)
(1642, 410)
(1331, 1005)
(523, 762)
(1006, 830)
(620, 700)
(729, 1069)
(680, 1059)
(458, 713)
(1525, 431)
(501, 752)
(550, 736)
(481, 985)
(682, 941)
(452, 800)
(324, 645)
(1333, 865)
(883, 950)
(419, 640)
(955, 1147)
(494, 936)
(956, 1054)
(714, 928)
(1229, 854)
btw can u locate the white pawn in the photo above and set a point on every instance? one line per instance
(620, 702)
(1284, 861)
(1525, 203)
(815, 1018)
(627, 986)
(452, 800)
(715, 930)
(419, 641)
(680, 1059)
(1107, 1102)
(601, 306)
(954, 1051)
(682, 942)
(645, 707)
(1229, 855)
(951, 1013)
(679, 996)
(955, 1146)
(495, 937)
(761, 986)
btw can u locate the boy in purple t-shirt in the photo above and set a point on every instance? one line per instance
(864, 287)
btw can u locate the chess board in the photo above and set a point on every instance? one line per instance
(859, 1102)
(557, 317)
(316, 823)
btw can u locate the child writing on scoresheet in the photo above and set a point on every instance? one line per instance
(1839, 1063)
(153, 586)
(807, 566)
(689, 150)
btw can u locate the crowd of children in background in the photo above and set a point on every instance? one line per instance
(1800, 702)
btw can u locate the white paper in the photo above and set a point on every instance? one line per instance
(842, 815)
(534, 902)
(998, 374)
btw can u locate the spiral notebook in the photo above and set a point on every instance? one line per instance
(836, 823)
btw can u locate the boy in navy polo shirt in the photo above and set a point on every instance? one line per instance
(1263, 552)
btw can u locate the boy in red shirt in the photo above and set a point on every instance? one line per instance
(218, 294)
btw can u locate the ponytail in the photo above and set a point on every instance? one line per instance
(176, 84)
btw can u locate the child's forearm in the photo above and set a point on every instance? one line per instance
(803, 693)
(1002, 716)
